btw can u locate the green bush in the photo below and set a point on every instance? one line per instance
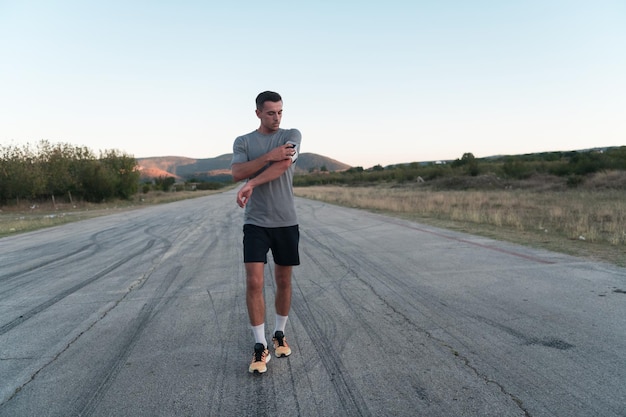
(574, 165)
(62, 169)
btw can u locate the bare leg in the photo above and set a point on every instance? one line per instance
(283, 289)
(254, 293)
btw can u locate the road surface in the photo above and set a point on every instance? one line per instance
(142, 313)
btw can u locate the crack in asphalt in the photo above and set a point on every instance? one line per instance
(137, 283)
(519, 403)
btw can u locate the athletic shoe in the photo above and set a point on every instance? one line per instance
(281, 348)
(260, 359)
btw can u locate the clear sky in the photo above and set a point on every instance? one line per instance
(366, 82)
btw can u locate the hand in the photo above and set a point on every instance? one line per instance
(244, 194)
(281, 153)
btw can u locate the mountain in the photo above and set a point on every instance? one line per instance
(218, 168)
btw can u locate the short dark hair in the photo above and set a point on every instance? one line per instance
(267, 96)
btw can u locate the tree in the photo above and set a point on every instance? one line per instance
(468, 161)
(164, 183)
(98, 182)
(20, 175)
(124, 168)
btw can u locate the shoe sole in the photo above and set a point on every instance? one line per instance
(279, 355)
(256, 371)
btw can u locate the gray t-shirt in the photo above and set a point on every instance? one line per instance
(271, 204)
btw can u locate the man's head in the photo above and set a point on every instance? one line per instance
(269, 109)
(267, 96)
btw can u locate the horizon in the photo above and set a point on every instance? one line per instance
(370, 84)
(401, 163)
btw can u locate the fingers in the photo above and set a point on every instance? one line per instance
(289, 151)
(284, 152)
(242, 198)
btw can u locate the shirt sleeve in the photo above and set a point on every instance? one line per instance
(294, 136)
(240, 151)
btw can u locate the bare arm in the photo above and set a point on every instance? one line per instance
(274, 171)
(243, 170)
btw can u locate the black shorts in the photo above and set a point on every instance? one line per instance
(283, 241)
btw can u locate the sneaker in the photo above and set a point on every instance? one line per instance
(281, 348)
(260, 359)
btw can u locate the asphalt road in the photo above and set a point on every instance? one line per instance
(142, 313)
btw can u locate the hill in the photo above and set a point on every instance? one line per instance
(218, 168)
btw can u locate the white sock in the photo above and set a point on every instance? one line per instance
(259, 334)
(281, 322)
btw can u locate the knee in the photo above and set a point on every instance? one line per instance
(282, 275)
(283, 282)
(254, 283)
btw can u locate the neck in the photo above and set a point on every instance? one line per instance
(266, 131)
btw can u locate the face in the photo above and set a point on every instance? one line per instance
(270, 116)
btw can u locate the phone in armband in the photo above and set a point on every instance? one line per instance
(293, 145)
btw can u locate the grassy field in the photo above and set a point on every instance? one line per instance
(586, 223)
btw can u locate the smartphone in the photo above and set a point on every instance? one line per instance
(293, 145)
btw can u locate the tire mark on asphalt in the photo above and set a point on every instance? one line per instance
(346, 389)
(66, 257)
(344, 386)
(44, 264)
(134, 287)
(384, 277)
(147, 313)
(174, 293)
(346, 262)
(132, 336)
(125, 231)
(43, 306)
(292, 381)
(400, 289)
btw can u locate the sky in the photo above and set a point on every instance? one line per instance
(366, 83)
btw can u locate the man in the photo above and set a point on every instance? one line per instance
(266, 157)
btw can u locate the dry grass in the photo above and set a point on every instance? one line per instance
(589, 223)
